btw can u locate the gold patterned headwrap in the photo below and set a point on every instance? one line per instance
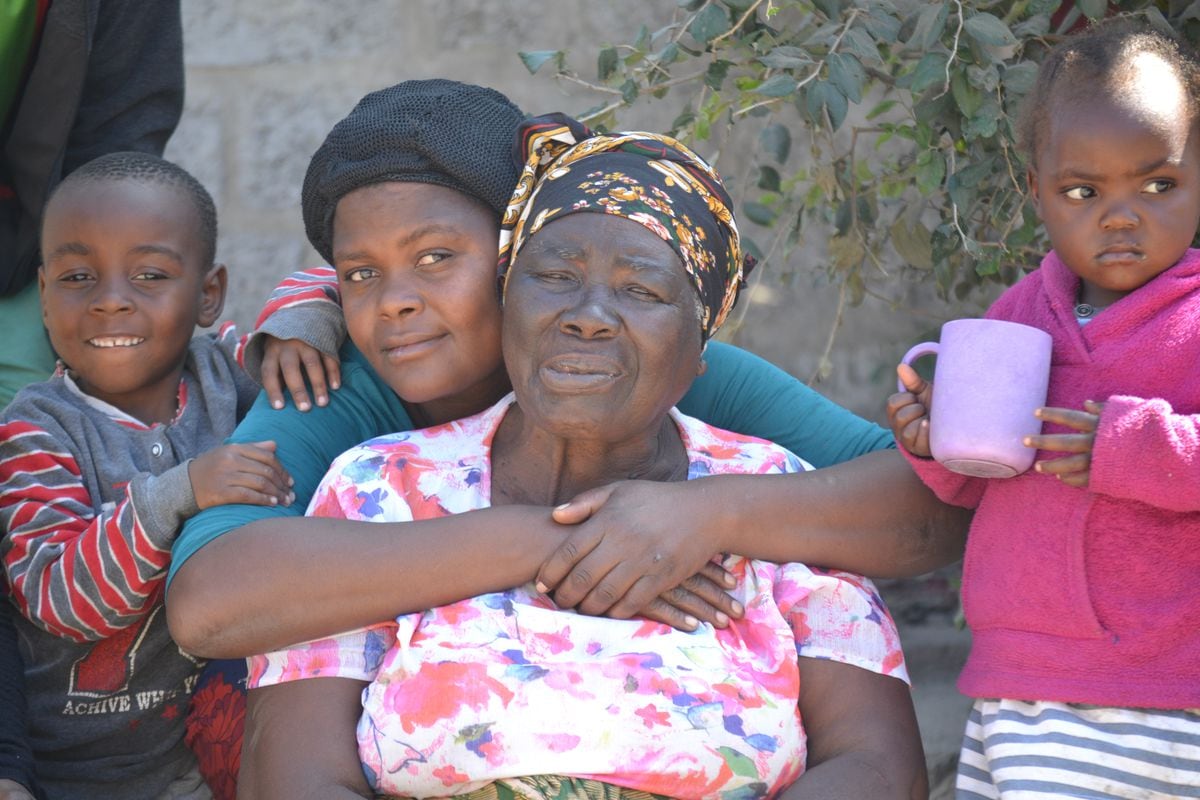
(650, 179)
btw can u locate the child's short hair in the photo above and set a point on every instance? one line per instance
(145, 168)
(1093, 58)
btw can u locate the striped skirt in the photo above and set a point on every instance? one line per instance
(1013, 750)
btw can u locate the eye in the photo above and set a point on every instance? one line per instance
(1159, 186)
(432, 259)
(1080, 192)
(359, 274)
(551, 277)
(149, 275)
(644, 292)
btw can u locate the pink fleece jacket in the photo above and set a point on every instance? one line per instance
(1093, 595)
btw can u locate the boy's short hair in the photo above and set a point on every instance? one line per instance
(1095, 56)
(145, 168)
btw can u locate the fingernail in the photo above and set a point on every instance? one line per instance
(562, 507)
(304, 405)
(335, 384)
(322, 400)
(274, 501)
(730, 581)
(1027, 442)
(691, 621)
(277, 404)
(291, 481)
(738, 608)
(1037, 467)
(541, 587)
(291, 498)
(722, 619)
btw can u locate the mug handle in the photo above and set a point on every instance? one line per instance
(915, 352)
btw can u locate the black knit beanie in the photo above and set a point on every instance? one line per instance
(430, 131)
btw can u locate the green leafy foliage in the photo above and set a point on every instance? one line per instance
(882, 130)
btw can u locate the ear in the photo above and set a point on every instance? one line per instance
(1034, 196)
(702, 368)
(42, 293)
(212, 295)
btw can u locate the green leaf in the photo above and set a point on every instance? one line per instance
(629, 91)
(830, 8)
(985, 78)
(931, 168)
(1093, 9)
(985, 122)
(768, 178)
(759, 214)
(860, 43)
(989, 30)
(1019, 78)
(777, 86)
(1033, 27)
(974, 172)
(882, 25)
(690, 5)
(714, 76)
(847, 75)
(776, 141)
(930, 24)
(825, 95)
(606, 63)
(710, 23)
(881, 108)
(668, 55)
(786, 57)
(966, 96)
(845, 252)
(930, 71)
(534, 59)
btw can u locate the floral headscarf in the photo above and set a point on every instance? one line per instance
(653, 180)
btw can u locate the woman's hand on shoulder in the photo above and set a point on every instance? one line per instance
(640, 548)
(286, 362)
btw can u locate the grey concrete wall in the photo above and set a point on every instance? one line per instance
(266, 81)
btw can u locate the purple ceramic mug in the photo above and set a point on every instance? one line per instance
(989, 378)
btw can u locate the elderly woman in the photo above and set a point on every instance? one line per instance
(504, 694)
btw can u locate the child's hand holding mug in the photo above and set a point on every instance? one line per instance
(1074, 469)
(991, 376)
(908, 412)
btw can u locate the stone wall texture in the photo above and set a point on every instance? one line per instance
(266, 81)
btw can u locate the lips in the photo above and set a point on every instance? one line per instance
(1121, 254)
(115, 341)
(579, 372)
(410, 344)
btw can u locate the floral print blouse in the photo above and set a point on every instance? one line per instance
(506, 684)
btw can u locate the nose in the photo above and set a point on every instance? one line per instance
(1120, 215)
(593, 316)
(399, 295)
(112, 296)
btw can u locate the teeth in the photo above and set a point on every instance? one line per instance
(116, 341)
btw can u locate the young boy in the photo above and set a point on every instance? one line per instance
(100, 466)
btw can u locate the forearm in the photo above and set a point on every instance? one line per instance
(300, 742)
(279, 581)
(870, 515)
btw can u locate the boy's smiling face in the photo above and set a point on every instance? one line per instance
(123, 288)
(1117, 183)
